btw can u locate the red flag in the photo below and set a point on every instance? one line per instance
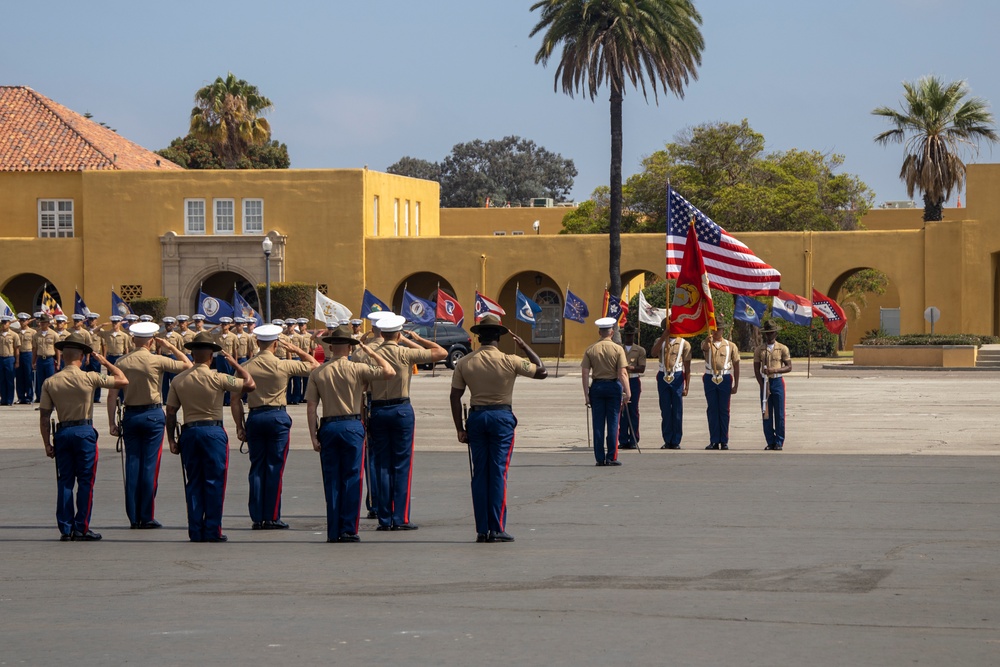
(448, 308)
(833, 315)
(692, 311)
(486, 305)
(615, 307)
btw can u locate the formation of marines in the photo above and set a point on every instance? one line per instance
(358, 408)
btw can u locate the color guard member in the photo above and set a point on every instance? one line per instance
(721, 380)
(770, 361)
(339, 436)
(628, 435)
(489, 374)
(70, 392)
(142, 423)
(608, 392)
(673, 381)
(203, 443)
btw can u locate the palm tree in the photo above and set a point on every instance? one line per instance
(227, 117)
(935, 122)
(619, 42)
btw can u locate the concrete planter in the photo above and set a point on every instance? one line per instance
(934, 356)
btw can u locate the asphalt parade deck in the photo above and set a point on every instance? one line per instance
(873, 539)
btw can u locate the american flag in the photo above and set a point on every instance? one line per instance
(732, 267)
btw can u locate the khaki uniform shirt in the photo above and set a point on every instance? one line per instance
(27, 339)
(606, 358)
(271, 374)
(144, 371)
(188, 336)
(198, 391)
(70, 392)
(96, 340)
(117, 343)
(45, 343)
(10, 343)
(242, 345)
(340, 386)
(63, 335)
(674, 355)
(771, 359)
(489, 374)
(279, 351)
(636, 356)
(720, 357)
(228, 342)
(402, 359)
(174, 339)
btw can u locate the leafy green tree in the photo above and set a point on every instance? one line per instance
(192, 153)
(416, 168)
(227, 116)
(935, 122)
(620, 42)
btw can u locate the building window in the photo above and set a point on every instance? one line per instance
(194, 216)
(406, 218)
(395, 217)
(498, 233)
(55, 218)
(517, 232)
(323, 288)
(225, 216)
(416, 218)
(375, 217)
(548, 323)
(253, 216)
(129, 292)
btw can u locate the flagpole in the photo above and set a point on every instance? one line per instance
(434, 365)
(809, 349)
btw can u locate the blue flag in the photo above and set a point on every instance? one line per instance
(243, 309)
(118, 306)
(372, 304)
(79, 307)
(417, 310)
(748, 309)
(5, 310)
(213, 308)
(527, 310)
(575, 309)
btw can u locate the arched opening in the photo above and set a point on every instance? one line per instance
(223, 285)
(863, 292)
(635, 280)
(423, 284)
(25, 293)
(546, 336)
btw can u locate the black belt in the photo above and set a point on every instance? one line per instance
(339, 418)
(143, 408)
(74, 422)
(10, 356)
(481, 408)
(614, 380)
(42, 357)
(268, 408)
(391, 401)
(201, 424)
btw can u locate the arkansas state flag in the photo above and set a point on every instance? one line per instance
(448, 308)
(792, 307)
(692, 311)
(484, 306)
(833, 315)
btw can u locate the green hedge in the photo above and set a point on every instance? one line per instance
(289, 300)
(879, 338)
(154, 305)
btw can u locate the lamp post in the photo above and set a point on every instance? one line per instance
(267, 244)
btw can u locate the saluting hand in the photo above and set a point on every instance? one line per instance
(517, 340)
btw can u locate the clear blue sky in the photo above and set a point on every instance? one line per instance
(356, 83)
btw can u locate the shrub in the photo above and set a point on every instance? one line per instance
(290, 299)
(876, 337)
(156, 306)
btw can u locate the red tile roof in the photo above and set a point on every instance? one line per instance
(37, 134)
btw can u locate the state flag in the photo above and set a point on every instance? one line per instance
(485, 305)
(575, 309)
(242, 308)
(372, 304)
(792, 307)
(527, 310)
(748, 309)
(329, 311)
(616, 308)
(213, 309)
(834, 318)
(449, 309)
(119, 307)
(79, 307)
(50, 306)
(650, 314)
(417, 310)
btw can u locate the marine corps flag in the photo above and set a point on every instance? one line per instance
(691, 310)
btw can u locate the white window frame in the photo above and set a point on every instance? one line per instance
(406, 218)
(395, 217)
(188, 229)
(232, 216)
(499, 233)
(517, 232)
(62, 216)
(416, 218)
(375, 217)
(550, 319)
(246, 228)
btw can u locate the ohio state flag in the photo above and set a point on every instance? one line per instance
(833, 315)
(692, 311)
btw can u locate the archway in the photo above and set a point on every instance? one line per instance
(222, 285)
(862, 292)
(423, 284)
(25, 293)
(546, 336)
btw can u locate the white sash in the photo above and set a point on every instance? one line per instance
(710, 368)
(678, 366)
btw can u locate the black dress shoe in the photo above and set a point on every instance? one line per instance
(480, 537)
(372, 514)
(217, 538)
(89, 536)
(777, 448)
(383, 528)
(612, 462)
(673, 446)
(406, 526)
(499, 537)
(768, 448)
(66, 538)
(133, 525)
(600, 463)
(150, 525)
(714, 445)
(723, 445)
(257, 525)
(349, 537)
(274, 525)
(627, 446)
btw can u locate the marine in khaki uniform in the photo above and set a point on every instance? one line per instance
(242, 340)
(268, 426)
(25, 377)
(44, 360)
(203, 444)
(97, 343)
(117, 342)
(606, 360)
(227, 341)
(673, 380)
(721, 380)
(770, 361)
(61, 324)
(10, 359)
(70, 393)
(339, 386)
(392, 421)
(635, 355)
(143, 421)
(489, 375)
(172, 336)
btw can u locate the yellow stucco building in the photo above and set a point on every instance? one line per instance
(78, 218)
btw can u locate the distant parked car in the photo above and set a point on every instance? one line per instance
(451, 337)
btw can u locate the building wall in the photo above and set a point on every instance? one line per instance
(486, 221)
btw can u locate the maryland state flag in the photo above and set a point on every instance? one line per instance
(50, 306)
(692, 311)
